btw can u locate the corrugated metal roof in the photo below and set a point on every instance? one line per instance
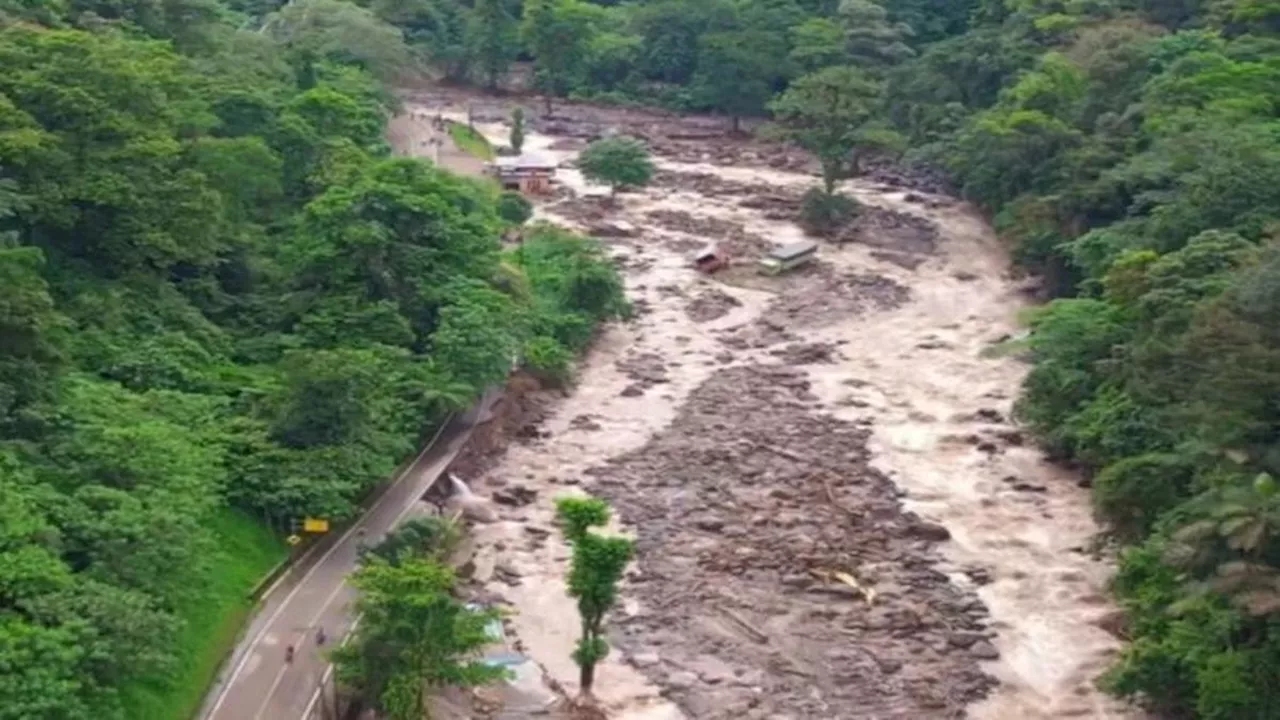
(794, 250)
(527, 160)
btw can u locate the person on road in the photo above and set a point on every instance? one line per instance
(320, 636)
(288, 654)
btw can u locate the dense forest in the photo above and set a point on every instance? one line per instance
(224, 305)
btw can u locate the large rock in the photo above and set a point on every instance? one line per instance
(926, 530)
(473, 508)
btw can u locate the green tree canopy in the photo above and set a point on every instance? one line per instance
(413, 635)
(827, 113)
(617, 162)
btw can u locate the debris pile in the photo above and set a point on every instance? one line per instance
(922, 179)
(731, 236)
(806, 353)
(774, 202)
(892, 230)
(778, 575)
(711, 304)
(645, 370)
(829, 297)
(519, 415)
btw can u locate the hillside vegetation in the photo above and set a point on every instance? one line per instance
(219, 294)
(223, 307)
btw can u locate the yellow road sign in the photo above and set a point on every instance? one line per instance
(293, 539)
(315, 525)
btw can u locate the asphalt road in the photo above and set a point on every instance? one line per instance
(257, 683)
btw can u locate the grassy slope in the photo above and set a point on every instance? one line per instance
(246, 551)
(470, 141)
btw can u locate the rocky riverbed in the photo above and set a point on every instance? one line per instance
(835, 516)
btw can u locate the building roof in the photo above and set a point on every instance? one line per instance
(527, 160)
(794, 250)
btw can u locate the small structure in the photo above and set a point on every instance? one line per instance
(529, 173)
(710, 259)
(787, 257)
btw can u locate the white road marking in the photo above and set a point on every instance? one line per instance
(285, 668)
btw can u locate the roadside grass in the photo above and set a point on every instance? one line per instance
(246, 551)
(470, 141)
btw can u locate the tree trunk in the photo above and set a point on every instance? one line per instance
(586, 678)
(830, 171)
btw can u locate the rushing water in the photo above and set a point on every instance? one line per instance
(923, 377)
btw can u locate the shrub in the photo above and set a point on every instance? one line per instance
(546, 357)
(822, 214)
(617, 162)
(1132, 493)
(514, 208)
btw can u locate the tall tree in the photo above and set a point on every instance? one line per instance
(517, 130)
(738, 71)
(30, 328)
(617, 162)
(594, 572)
(827, 113)
(817, 43)
(875, 43)
(671, 30)
(557, 33)
(435, 28)
(492, 39)
(336, 30)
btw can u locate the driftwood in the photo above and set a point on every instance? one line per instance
(826, 483)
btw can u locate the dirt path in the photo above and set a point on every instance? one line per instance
(414, 133)
(762, 436)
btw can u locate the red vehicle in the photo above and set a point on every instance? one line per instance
(711, 259)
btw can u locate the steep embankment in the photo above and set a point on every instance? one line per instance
(762, 436)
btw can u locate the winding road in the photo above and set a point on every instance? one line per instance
(257, 683)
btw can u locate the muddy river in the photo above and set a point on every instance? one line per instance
(835, 515)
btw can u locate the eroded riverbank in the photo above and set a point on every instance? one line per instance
(761, 435)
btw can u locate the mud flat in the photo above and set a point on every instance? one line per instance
(835, 515)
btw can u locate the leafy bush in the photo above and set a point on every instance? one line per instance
(822, 214)
(617, 162)
(433, 538)
(514, 208)
(549, 358)
(1133, 493)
